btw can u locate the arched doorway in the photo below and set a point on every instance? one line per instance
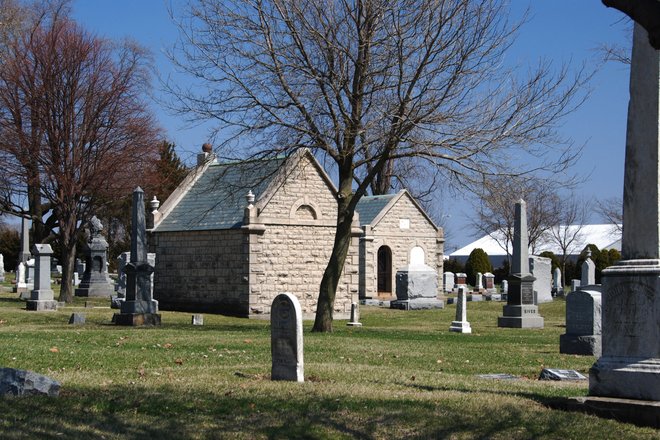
(384, 271)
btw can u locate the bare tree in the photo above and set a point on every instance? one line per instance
(567, 232)
(611, 210)
(74, 128)
(495, 209)
(367, 83)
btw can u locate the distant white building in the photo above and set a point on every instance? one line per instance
(606, 236)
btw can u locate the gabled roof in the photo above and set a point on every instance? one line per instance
(372, 209)
(370, 206)
(605, 236)
(216, 199)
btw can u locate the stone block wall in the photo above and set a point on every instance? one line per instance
(201, 271)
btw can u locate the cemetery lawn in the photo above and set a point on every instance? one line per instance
(401, 375)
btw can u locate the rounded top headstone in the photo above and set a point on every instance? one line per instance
(207, 148)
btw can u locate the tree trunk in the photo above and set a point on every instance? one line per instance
(330, 280)
(68, 267)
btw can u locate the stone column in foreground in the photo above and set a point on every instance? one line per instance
(630, 364)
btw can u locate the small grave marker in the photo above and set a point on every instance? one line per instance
(286, 339)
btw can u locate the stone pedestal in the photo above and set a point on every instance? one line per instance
(95, 280)
(630, 362)
(520, 311)
(42, 297)
(416, 288)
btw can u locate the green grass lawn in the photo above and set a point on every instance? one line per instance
(401, 375)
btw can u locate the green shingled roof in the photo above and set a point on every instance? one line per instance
(217, 199)
(370, 206)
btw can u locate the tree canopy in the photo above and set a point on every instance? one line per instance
(369, 86)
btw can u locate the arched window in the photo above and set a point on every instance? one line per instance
(384, 271)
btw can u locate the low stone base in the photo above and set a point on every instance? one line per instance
(589, 345)
(625, 378)
(417, 304)
(460, 327)
(41, 306)
(136, 319)
(475, 297)
(354, 324)
(639, 412)
(524, 316)
(95, 290)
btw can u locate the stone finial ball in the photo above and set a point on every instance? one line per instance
(207, 148)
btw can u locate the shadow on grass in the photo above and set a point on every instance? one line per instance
(162, 412)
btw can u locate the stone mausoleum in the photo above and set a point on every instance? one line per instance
(233, 236)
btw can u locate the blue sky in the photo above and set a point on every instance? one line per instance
(558, 30)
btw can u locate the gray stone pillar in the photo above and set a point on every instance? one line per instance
(461, 324)
(139, 308)
(520, 310)
(42, 297)
(630, 365)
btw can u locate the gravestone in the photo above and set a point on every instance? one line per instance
(630, 364)
(286, 339)
(479, 282)
(557, 286)
(120, 286)
(96, 280)
(354, 322)
(520, 310)
(448, 281)
(505, 287)
(21, 280)
(588, 272)
(77, 319)
(42, 297)
(461, 324)
(139, 308)
(197, 319)
(417, 288)
(575, 285)
(489, 283)
(555, 374)
(583, 324)
(2, 268)
(461, 279)
(541, 269)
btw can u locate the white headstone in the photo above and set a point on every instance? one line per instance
(588, 272)
(448, 281)
(541, 268)
(286, 339)
(2, 268)
(479, 282)
(354, 322)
